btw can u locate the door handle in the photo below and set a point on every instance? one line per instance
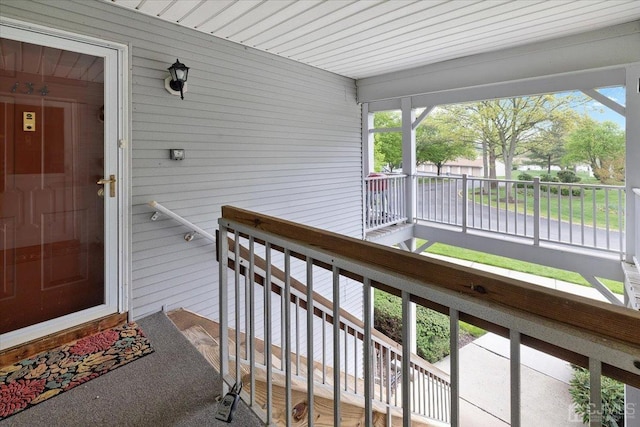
(112, 184)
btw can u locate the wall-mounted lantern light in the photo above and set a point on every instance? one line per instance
(176, 83)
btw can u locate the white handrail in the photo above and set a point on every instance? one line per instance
(195, 229)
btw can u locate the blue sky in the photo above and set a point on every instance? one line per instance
(601, 113)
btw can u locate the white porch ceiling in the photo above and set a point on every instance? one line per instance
(364, 38)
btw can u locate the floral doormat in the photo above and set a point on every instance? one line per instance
(38, 378)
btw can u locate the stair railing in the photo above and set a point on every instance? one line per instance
(171, 214)
(432, 399)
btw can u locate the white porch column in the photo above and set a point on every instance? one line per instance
(632, 172)
(632, 180)
(409, 156)
(368, 163)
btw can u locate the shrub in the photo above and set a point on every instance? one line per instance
(548, 178)
(568, 176)
(432, 327)
(565, 191)
(524, 177)
(612, 398)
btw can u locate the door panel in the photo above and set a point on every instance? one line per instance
(52, 228)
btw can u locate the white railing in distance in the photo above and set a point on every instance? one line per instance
(385, 200)
(583, 215)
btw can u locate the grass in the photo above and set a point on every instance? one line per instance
(521, 266)
(575, 208)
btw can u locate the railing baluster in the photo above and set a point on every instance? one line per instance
(514, 361)
(310, 350)
(268, 334)
(336, 345)
(570, 213)
(297, 335)
(595, 393)
(387, 379)
(465, 198)
(286, 348)
(369, 393)
(252, 321)
(236, 251)
(407, 328)
(355, 361)
(454, 360)
(324, 348)
(606, 216)
(582, 209)
(595, 224)
(620, 222)
(223, 251)
(559, 215)
(346, 358)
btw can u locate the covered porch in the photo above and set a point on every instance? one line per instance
(276, 121)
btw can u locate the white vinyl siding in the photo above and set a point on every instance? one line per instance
(259, 132)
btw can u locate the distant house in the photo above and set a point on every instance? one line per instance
(461, 166)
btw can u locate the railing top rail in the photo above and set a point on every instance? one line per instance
(384, 176)
(514, 181)
(594, 319)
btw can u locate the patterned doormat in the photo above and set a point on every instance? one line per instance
(38, 378)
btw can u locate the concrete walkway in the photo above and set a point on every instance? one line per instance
(484, 371)
(484, 386)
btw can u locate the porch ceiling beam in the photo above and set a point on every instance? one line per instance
(584, 80)
(606, 101)
(612, 47)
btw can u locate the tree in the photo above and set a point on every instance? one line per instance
(601, 145)
(549, 148)
(506, 127)
(388, 143)
(439, 140)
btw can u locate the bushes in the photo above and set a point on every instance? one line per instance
(432, 327)
(568, 176)
(547, 177)
(612, 398)
(524, 177)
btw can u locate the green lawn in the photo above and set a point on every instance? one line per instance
(516, 265)
(578, 207)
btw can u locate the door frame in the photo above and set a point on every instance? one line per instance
(117, 161)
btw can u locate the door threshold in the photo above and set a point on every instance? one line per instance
(23, 351)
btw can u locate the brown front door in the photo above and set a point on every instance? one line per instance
(51, 156)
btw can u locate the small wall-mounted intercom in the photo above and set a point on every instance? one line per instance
(176, 154)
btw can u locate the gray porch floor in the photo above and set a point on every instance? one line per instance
(174, 386)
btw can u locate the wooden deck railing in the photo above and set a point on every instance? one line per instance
(387, 353)
(585, 332)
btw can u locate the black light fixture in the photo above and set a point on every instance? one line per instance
(177, 82)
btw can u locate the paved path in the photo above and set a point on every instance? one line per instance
(484, 371)
(485, 388)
